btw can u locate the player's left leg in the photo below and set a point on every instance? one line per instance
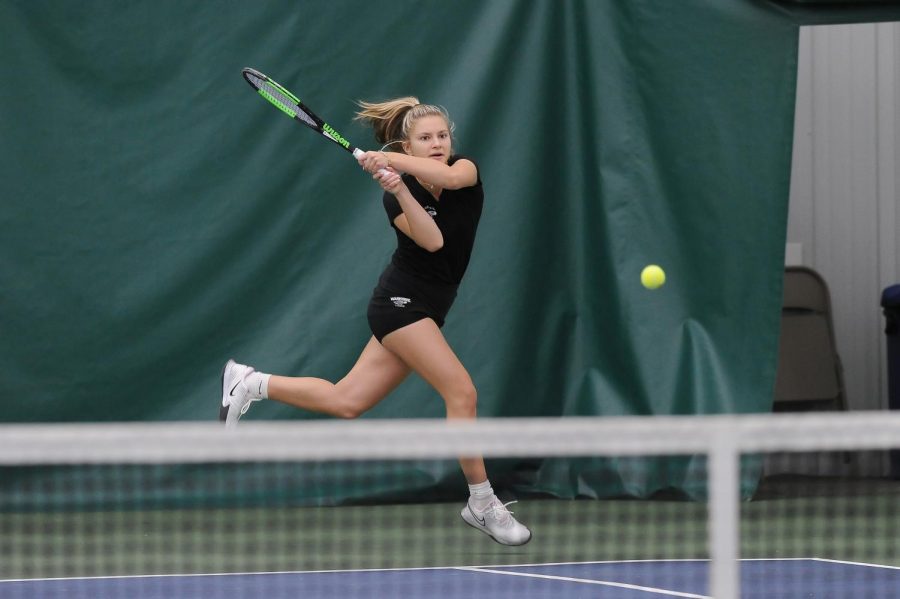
(424, 349)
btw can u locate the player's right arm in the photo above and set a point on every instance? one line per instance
(415, 223)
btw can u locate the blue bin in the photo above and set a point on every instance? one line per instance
(890, 301)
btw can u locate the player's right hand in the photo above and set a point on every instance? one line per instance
(373, 162)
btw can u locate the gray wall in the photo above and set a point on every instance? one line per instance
(844, 217)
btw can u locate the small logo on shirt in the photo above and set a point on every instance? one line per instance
(400, 302)
(431, 210)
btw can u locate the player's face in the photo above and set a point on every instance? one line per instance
(429, 137)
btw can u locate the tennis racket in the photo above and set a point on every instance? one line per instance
(289, 104)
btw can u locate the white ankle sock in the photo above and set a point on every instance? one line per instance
(480, 495)
(258, 384)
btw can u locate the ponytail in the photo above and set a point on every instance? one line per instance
(393, 119)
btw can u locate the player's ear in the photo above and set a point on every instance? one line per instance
(405, 146)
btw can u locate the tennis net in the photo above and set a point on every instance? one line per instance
(700, 506)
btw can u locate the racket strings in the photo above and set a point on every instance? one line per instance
(273, 96)
(281, 99)
(306, 118)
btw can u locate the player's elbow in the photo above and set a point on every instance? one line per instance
(456, 181)
(461, 175)
(433, 246)
(431, 243)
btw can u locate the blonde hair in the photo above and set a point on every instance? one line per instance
(393, 119)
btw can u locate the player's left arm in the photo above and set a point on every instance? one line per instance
(463, 172)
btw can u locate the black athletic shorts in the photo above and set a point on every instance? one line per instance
(401, 299)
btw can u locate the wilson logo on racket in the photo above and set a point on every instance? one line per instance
(334, 135)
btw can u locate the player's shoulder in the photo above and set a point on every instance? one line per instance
(457, 157)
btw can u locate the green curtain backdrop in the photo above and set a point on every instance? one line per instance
(158, 217)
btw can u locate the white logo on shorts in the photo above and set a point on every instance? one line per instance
(400, 302)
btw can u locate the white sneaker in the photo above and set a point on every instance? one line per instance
(236, 398)
(497, 522)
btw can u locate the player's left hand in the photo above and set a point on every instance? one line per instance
(389, 179)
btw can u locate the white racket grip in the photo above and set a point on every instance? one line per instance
(357, 153)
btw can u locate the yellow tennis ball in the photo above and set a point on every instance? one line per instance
(653, 277)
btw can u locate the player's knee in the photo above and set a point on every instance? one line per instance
(348, 412)
(346, 408)
(462, 402)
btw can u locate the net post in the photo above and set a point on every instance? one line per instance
(724, 515)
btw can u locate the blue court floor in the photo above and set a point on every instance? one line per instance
(794, 578)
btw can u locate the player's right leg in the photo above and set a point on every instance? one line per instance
(376, 373)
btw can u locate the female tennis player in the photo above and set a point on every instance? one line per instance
(434, 208)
